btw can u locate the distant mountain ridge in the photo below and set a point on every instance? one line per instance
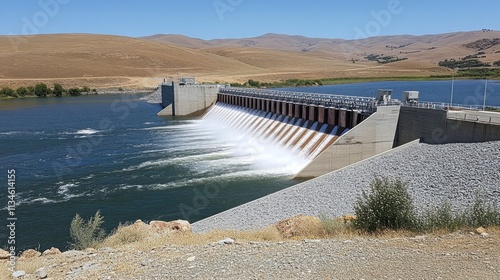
(408, 52)
(302, 43)
(107, 60)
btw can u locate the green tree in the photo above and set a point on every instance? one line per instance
(31, 90)
(74, 91)
(253, 83)
(85, 89)
(22, 91)
(7, 91)
(58, 90)
(41, 90)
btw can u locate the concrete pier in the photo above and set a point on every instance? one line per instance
(313, 113)
(321, 114)
(186, 100)
(332, 116)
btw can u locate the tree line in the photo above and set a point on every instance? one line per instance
(43, 90)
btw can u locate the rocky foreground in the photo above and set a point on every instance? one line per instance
(460, 255)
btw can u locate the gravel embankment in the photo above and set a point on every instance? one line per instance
(454, 172)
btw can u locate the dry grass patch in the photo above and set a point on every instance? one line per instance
(141, 237)
(28, 265)
(301, 226)
(126, 234)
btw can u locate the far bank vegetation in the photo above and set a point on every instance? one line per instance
(43, 90)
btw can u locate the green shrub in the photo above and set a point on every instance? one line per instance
(253, 83)
(41, 90)
(85, 89)
(482, 214)
(31, 90)
(334, 226)
(74, 91)
(86, 234)
(7, 91)
(58, 90)
(22, 91)
(442, 218)
(387, 206)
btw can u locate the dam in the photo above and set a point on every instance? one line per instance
(328, 131)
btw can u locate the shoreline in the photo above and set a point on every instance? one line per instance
(357, 80)
(99, 92)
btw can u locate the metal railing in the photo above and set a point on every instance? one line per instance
(475, 116)
(365, 104)
(447, 106)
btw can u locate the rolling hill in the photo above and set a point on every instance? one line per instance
(113, 61)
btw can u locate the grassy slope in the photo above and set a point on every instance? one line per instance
(102, 61)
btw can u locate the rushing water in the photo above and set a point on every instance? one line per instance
(112, 153)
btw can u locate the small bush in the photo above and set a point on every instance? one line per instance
(335, 226)
(442, 218)
(387, 206)
(74, 91)
(86, 234)
(22, 91)
(483, 214)
(7, 91)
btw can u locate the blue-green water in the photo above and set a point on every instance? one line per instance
(112, 153)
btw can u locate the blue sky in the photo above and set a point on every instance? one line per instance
(209, 19)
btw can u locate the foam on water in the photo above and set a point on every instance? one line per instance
(252, 142)
(173, 161)
(88, 131)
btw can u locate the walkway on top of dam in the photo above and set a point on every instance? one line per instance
(363, 104)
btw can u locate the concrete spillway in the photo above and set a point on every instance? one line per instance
(314, 126)
(300, 137)
(295, 127)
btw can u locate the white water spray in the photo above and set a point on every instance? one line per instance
(270, 141)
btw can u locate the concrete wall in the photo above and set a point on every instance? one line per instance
(187, 99)
(373, 136)
(167, 98)
(439, 127)
(419, 123)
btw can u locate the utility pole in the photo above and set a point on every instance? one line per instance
(452, 87)
(485, 91)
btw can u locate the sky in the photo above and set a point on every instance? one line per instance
(217, 19)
